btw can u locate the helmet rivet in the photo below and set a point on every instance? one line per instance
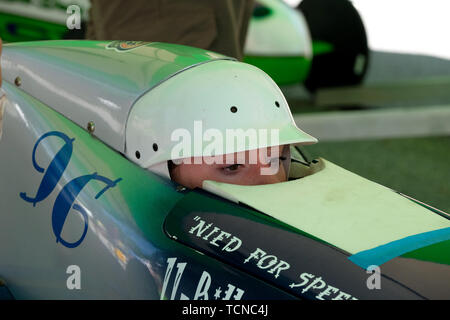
(233, 109)
(18, 81)
(138, 154)
(91, 127)
(155, 147)
(277, 104)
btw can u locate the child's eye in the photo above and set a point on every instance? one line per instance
(279, 159)
(233, 167)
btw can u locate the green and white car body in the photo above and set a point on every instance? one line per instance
(279, 42)
(286, 57)
(71, 198)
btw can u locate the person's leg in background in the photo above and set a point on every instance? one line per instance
(232, 17)
(216, 25)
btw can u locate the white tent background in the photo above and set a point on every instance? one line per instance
(406, 26)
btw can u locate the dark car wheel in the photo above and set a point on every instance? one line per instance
(338, 23)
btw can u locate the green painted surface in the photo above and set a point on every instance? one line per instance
(261, 12)
(321, 47)
(15, 28)
(283, 70)
(433, 253)
(138, 69)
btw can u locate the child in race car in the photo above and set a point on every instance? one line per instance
(256, 105)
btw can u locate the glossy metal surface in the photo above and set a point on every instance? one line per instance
(96, 80)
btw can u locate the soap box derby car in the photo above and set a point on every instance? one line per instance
(72, 200)
(320, 43)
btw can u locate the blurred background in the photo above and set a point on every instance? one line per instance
(394, 128)
(370, 79)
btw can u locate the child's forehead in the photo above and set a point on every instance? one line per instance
(249, 157)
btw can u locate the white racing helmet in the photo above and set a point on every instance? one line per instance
(194, 112)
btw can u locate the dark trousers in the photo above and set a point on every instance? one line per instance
(216, 25)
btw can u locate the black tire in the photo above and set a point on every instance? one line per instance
(339, 23)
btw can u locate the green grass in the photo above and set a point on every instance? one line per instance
(418, 167)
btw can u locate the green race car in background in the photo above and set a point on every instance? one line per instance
(321, 43)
